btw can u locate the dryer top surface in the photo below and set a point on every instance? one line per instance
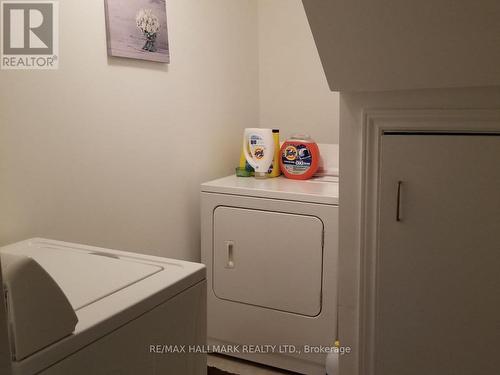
(323, 190)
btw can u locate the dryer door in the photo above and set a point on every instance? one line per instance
(268, 259)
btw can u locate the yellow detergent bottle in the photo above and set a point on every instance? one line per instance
(274, 170)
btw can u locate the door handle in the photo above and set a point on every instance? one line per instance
(398, 201)
(230, 254)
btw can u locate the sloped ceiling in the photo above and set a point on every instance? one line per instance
(368, 45)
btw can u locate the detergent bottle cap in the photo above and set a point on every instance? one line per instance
(301, 138)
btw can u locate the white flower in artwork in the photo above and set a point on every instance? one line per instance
(147, 22)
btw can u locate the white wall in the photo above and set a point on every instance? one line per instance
(111, 152)
(294, 94)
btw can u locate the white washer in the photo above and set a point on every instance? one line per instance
(270, 247)
(127, 309)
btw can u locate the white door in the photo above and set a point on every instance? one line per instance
(268, 259)
(438, 261)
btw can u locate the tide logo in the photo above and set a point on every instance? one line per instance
(290, 153)
(259, 153)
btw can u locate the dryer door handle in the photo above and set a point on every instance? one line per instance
(230, 254)
(398, 201)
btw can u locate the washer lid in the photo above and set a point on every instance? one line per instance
(85, 276)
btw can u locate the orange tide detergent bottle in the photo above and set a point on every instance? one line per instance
(299, 157)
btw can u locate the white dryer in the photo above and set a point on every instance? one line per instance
(75, 309)
(270, 247)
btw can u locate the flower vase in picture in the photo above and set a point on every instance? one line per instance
(149, 25)
(150, 42)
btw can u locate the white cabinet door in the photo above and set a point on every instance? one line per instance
(268, 259)
(437, 304)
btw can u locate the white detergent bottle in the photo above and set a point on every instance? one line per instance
(258, 147)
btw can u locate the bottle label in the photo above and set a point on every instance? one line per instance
(296, 159)
(257, 146)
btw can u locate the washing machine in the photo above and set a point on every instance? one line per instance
(271, 251)
(74, 309)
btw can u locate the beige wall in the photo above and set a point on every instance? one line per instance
(294, 94)
(111, 152)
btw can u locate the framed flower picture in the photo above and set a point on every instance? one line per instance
(137, 29)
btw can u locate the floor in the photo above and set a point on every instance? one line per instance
(240, 367)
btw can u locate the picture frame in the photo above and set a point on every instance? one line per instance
(137, 29)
